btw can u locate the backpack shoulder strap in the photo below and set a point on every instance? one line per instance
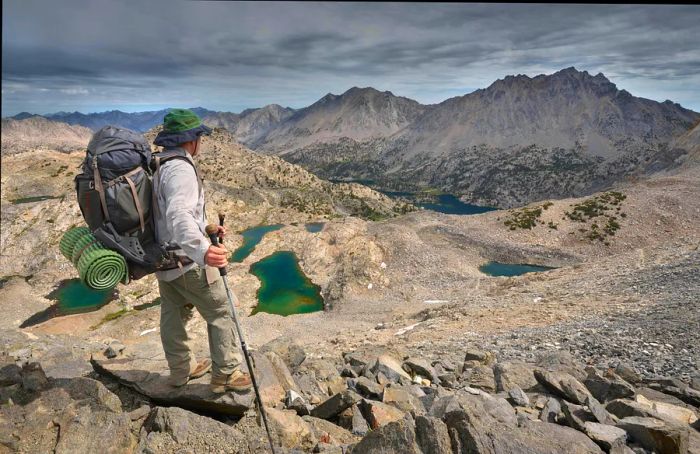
(167, 155)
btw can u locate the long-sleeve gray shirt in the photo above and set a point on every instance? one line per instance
(180, 218)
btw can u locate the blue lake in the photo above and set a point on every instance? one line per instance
(314, 227)
(443, 203)
(251, 238)
(72, 297)
(284, 288)
(508, 269)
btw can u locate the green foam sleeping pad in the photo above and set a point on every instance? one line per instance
(69, 239)
(99, 268)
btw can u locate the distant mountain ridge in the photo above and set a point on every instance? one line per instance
(251, 124)
(519, 140)
(39, 133)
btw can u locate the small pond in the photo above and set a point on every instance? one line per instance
(37, 198)
(72, 297)
(443, 203)
(284, 288)
(509, 269)
(251, 238)
(314, 227)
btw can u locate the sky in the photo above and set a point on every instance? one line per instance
(137, 55)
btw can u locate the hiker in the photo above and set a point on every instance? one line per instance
(180, 222)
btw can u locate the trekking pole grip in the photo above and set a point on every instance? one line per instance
(212, 232)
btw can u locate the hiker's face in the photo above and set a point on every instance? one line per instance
(197, 144)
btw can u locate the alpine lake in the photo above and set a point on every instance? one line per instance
(72, 297)
(284, 288)
(509, 269)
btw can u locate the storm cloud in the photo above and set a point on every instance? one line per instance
(136, 55)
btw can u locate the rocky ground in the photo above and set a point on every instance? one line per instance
(406, 286)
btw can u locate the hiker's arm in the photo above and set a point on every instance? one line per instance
(181, 193)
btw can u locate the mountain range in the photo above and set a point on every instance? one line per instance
(519, 140)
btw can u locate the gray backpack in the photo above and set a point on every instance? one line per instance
(117, 201)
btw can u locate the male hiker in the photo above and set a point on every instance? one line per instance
(181, 220)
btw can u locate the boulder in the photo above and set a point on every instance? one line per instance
(10, 374)
(418, 366)
(564, 385)
(668, 412)
(677, 389)
(517, 397)
(282, 373)
(369, 388)
(174, 429)
(480, 377)
(288, 350)
(114, 349)
(396, 437)
(599, 412)
(294, 401)
(329, 432)
(402, 398)
(474, 357)
(627, 373)
(551, 410)
(272, 389)
(477, 433)
(576, 416)
(378, 414)
(332, 406)
(432, 436)
(655, 435)
(606, 436)
(443, 405)
(66, 417)
(33, 377)
(608, 388)
(352, 420)
(561, 361)
(511, 374)
(148, 374)
(291, 430)
(356, 359)
(390, 367)
(91, 392)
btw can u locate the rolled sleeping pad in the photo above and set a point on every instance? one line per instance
(99, 268)
(69, 239)
(84, 243)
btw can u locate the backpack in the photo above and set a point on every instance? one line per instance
(116, 198)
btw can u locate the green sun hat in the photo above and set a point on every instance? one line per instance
(180, 126)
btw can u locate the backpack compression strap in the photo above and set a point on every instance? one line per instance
(99, 188)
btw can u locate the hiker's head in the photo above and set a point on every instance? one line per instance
(182, 128)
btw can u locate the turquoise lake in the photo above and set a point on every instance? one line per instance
(508, 269)
(251, 238)
(72, 297)
(314, 227)
(284, 288)
(443, 203)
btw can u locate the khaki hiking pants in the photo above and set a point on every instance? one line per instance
(212, 303)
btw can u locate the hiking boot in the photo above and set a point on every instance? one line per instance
(202, 368)
(237, 381)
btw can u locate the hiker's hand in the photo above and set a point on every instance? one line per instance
(222, 232)
(216, 256)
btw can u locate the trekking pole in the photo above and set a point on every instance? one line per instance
(222, 216)
(212, 231)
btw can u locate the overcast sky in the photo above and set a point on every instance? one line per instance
(97, 55)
